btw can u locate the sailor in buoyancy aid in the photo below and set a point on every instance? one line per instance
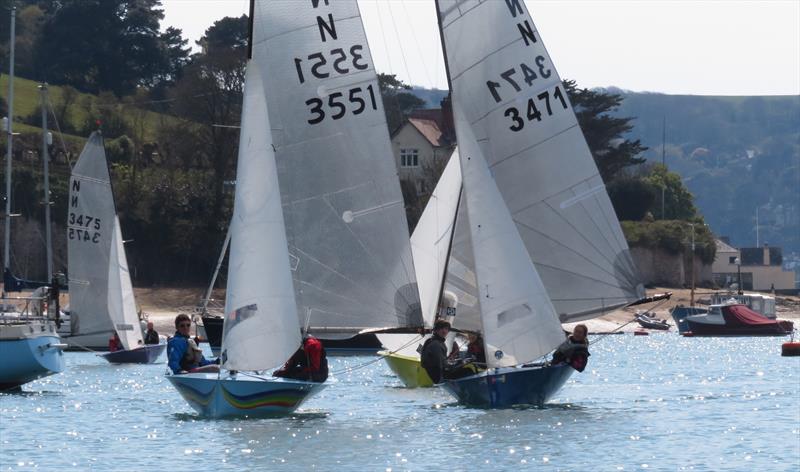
(574, 350)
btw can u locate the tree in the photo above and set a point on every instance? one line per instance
(632, 197)
(97, 45)
(605, 133)
(678, 200)
(397, 103)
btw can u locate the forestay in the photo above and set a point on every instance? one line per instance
(93, 250)
(517, 107)
(430, 243)
(344, 213)
(121, 301)
(261, 329)
(519, 321)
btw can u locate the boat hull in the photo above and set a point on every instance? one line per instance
(644, 323)
(147, 354)
(779, 328)
(679, 314)
(408, 369)
(242, 395)
(360, 345)
(30, 358)
(510, 386)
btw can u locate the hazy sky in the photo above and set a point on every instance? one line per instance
(697, 47)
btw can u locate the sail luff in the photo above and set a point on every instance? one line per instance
(513, 99)
(261, 329)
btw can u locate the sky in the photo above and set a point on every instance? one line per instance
(697, 47)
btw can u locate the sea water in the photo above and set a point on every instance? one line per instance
(660, 402)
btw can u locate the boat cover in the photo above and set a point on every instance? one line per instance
(741, 315)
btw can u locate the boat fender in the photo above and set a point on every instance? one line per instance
(790, 349)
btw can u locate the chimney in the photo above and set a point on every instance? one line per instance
(766, 255)
(448, 127)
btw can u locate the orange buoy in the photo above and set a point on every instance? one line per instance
(639, 332)
(790, 349)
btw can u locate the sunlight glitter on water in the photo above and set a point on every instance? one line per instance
(658, 393)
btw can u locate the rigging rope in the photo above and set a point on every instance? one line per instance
(379, 358)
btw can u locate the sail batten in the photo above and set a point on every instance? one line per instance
(513, 100)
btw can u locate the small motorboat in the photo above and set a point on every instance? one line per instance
(736, 320)
(650, 322)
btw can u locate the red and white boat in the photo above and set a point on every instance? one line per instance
(736, 320)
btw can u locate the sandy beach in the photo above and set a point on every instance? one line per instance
(161, 305)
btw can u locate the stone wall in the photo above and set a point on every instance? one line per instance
(658, 267)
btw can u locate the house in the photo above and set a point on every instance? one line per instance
(760, 268)
(423, 144)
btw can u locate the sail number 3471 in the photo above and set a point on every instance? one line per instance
(532, 109)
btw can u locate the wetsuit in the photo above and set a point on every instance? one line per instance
(434, 357)
(151, 337)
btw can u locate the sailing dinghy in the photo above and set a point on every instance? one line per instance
(101, 293)
(319, 238)
(547, 246)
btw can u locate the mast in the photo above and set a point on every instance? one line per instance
(449, 250)
(10, 134)
(207, 298)
(47, 203)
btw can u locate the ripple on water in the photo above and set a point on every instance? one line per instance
(645, 402)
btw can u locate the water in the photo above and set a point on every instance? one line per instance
(658, 403)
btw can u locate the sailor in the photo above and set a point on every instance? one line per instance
(151, 337)
(309, 362)
(183, 356)
(115, 343)
(434, 352)
(575, 350)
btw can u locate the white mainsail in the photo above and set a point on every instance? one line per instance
(343, 208)
(519, 321)
(121, 302)
(261, 329)
(430, 242)
(99, 282)
(513, 99)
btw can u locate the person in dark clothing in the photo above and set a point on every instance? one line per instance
(183, 355)
(151, 336)
(434, 352)
(309, 362)
(575, 350)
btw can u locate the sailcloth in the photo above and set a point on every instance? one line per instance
(519, 321)
(514, 102)
(345, 220)
(261, 329)
(121, 301)
(101, 294)
(430, 243)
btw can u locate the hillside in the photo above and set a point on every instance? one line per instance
(78, 111)
(735, 154)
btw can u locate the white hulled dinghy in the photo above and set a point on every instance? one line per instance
(101, 294)
(522, 152)
(319, 238)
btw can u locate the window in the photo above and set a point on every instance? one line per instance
(409, 157)
(732, 260)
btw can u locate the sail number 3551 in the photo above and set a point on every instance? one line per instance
(357, 100)
(532, 111)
